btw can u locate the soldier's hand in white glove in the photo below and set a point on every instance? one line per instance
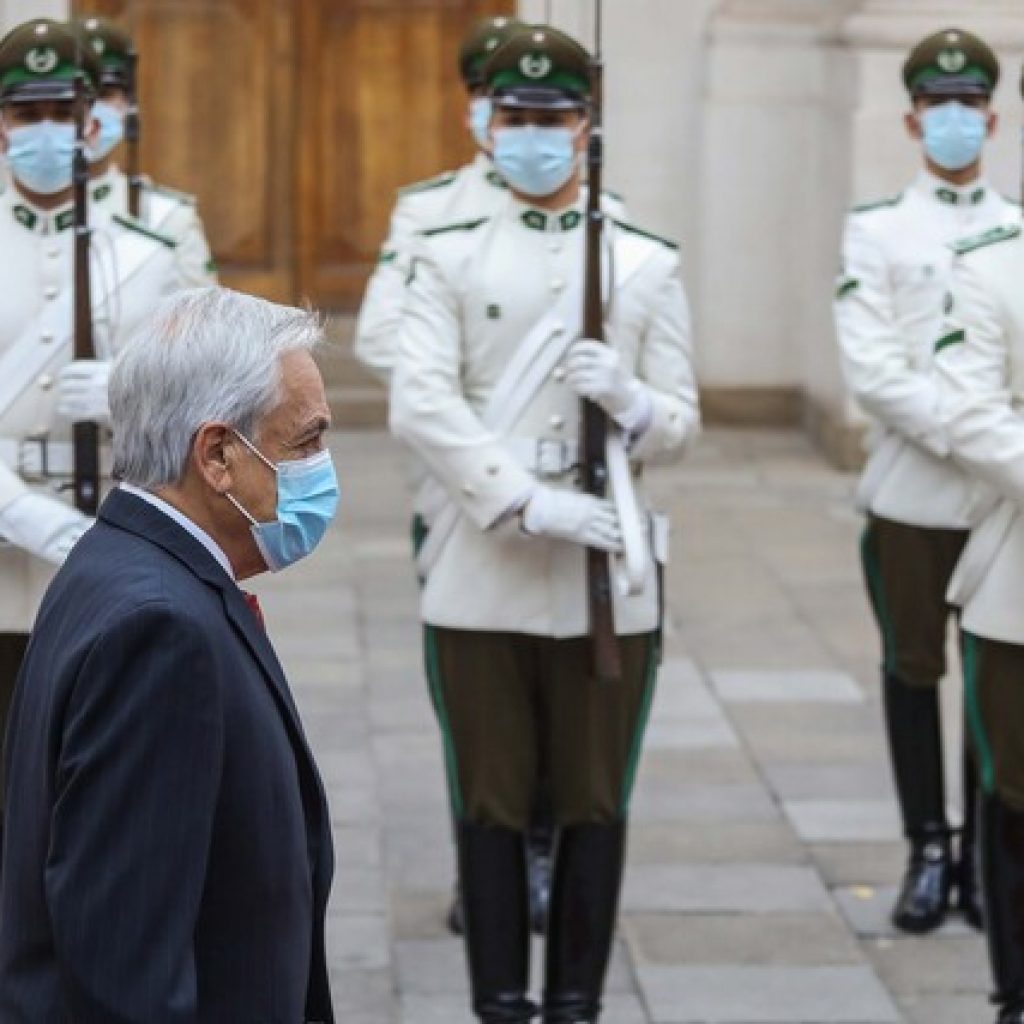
(568, 515)
(82, 391)
(595, 370)
(43, 526)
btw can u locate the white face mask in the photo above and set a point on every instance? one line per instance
(480, 108)
(111, 121)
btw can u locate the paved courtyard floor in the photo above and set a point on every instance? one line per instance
(765, 841)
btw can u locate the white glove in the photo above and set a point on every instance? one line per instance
(594, 370)
(568, 515)
(82, 391)
(43, 526)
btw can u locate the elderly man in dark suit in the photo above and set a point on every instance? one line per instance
(168, 853)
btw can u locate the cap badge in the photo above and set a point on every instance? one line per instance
(41, 60)
(951, 61)
(536, 65)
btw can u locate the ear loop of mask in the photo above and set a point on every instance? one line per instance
(227, 494)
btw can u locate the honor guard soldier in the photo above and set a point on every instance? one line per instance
(979, 358)
(487, 389)
(888, 309)
(165, 210)
(42, 391)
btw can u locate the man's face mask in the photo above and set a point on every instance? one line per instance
(535, 161)
(953, 134)
(40, 155)
(479, 118)
(307, 500)
(111, 121)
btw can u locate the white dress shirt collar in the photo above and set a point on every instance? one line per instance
(184, 522)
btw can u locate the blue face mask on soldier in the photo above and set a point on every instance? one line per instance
(39, 155)
(479, 119)
(535, 161)
(111, 132)
(307, 500)
(953, 134)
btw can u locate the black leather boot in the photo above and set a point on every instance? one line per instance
(581, 924)
(915, 747)
(968, 893)
(1002, 864)
(495, 907)
(540, 841)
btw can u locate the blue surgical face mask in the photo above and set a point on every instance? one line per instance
(479, 118)
(40, 155)
(111, 130)
(953, 134)
(535, 161)
(307, 500)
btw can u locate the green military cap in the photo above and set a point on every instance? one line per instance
(951, 63)
(539, 67)
(480, 42)
(112, 46)
(39, 61)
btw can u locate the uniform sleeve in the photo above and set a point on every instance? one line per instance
(136, 786)
(986, 432)
(430, 412)
(380, 315)
(666, 366)
(196, 266)
(876, 358)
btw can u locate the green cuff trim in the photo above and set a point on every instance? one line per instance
(387, 256)
(846, 286)
(953, 338)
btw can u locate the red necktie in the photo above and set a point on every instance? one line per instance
(254, 606)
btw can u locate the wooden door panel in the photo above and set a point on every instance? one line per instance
(215, 105)
(381, 105)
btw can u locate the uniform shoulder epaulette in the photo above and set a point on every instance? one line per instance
(990, 237)
(634, 230)
(439, 181)
(462, 225)
(132, 224)
(171, 193)
(1010, 200)
(617, 196)
(878, 204)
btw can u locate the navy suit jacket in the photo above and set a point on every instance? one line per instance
(167, 847)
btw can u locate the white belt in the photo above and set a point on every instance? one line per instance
(547, 457)
(37, 460)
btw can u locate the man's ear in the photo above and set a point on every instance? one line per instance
(913, 125)
(213, 455)
(992, 124)
(92, 128)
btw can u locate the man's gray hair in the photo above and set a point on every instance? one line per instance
(205, 355)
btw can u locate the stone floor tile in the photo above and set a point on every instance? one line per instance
(798, 685)
(729, 842)
(836, 821)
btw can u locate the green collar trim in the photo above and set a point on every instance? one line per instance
(24, 216)
(953, 338)
(538, 220)
(495, 179)
(101, 192)
(64, 220)
(951, 197)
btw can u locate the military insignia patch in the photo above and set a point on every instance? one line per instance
(494, 311)
(535, 65)
(41, 60)
(951, 61)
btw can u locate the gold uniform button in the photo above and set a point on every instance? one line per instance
(51, 291)
(557, 422)
(46, 337)
(559, 373)
(557, 284)
(45, 381)
(53, 253)
(468, 490)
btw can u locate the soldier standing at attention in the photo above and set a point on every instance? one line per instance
(487, 389)
(166, 210)
(888, 310)
(980, 368)
(42, 390)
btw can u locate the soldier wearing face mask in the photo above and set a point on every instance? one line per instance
(897, 259)
(166, 210)
(487, 387)
(43, 391)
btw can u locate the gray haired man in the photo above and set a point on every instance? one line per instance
(173, 853)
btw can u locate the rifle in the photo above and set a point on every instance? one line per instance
(132, 131)
(85, 436)
(606, 657)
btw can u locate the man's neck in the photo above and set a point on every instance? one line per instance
(567, 195)
(100, 167)
(965, 176)
(42, 201)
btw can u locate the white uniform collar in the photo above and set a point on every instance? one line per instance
(941, 191)
(49, 222)
(184, 522)
(484, 166)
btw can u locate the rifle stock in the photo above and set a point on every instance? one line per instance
(85, 436)
(606, 657)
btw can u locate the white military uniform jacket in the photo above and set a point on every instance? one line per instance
(889, 306)
(477, 290)
(168, 212)
(980, 369)
(132, 268)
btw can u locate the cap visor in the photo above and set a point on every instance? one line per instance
(30, 92)
(538, 97)
(953, 86)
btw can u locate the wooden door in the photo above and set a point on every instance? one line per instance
(294, 121)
